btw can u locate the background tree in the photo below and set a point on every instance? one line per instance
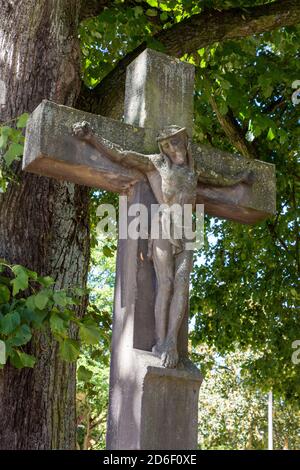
(234, 416)
(44, 224)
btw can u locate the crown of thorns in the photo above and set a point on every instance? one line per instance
(170, 131)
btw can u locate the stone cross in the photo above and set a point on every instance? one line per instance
(151, 407)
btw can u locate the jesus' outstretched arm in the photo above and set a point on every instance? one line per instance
(83, 131)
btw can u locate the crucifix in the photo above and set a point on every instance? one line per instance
(153, 386)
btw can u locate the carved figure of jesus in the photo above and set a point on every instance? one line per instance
(173, 180)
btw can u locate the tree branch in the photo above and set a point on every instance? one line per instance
(233, 131)
(187, 36)
(274, 235)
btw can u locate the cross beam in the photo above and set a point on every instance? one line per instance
(51, 150)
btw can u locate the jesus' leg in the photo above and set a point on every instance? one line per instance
(164, 268)
(183, 267)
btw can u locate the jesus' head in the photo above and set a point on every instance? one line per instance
(173, 142)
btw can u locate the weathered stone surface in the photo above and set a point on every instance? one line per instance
(155, 408)
(159, 92)
(52, 150)
(175, 390)
(245, 203)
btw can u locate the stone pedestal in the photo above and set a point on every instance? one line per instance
(158, 407)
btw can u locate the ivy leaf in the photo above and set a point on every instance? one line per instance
(22, 336)
(21, 280)
(57, 324)
(32, 313)
(4, 294)
(69, 350)
(89, 333)
(46, 281)
(20, 359)
(41, 299)
(60, 298)
(9, 322)
(22, 120)
(5, 133)
(84, 374)
(14, 152)
(5, 130)
(3, 141)
(15, 359)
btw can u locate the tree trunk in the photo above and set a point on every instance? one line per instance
(43, 223)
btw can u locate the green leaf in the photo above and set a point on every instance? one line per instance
(41, 299)
(164, 16)
(3, 141)
(46, 281)
(9, 323)
(21, 280)
(22, 120)
(283, 136)
(30, 302)
(152, 3)
(267, 91)
(69, 350)
(14, 152)
(22, 336)
(15, 359)
(4, 294)
(89, 333)
(138, 11)
(271, 134)
(26, 359)
(107, 252)
(151, 12)
(57, 324)
(60, 298)
(294, 293)
(5, 130)
(84, 374)
(32, 313)
(223, 108)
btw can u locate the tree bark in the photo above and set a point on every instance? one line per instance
(43, 223)
(188, 36)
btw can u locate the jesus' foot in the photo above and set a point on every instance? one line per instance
(169, 355)
(157, 349)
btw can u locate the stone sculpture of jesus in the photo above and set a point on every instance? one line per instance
(173, 180)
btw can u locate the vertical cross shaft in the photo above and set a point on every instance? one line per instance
(159, 92)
